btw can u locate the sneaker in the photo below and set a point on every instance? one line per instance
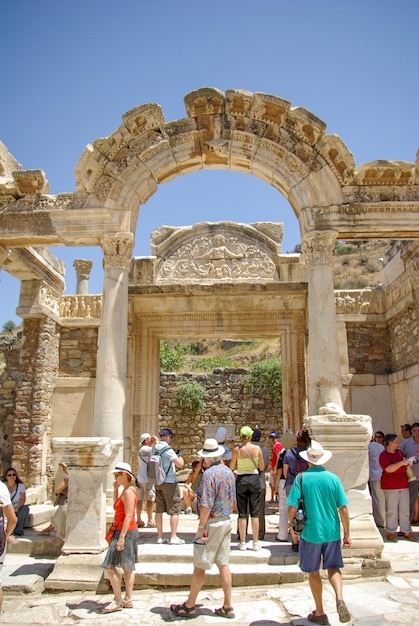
(176, 541)
(256, 546)
(188, 510)
(242, 545)
(161, 540)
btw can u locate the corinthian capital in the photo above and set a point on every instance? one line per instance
(317, 248)
(117, 249)
(83, 267)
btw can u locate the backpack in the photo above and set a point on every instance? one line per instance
(155, 471)
(301, 464)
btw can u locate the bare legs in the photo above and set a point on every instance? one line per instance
(197, 581)
(115, 579)
(149, 504)
(315, 581)
(174, 521)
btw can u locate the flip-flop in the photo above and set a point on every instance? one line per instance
(181, 610)
(228, 613)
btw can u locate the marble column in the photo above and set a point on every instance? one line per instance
(325, 381)
(83, 268)
(110, 394)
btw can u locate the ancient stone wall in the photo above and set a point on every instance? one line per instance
(227, 401)
(369, 349)
(78, 349)
(404, 333)
(8, 386)
(36, 376)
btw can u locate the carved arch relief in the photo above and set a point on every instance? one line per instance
(255, 133)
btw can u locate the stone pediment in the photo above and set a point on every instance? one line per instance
(219, 251)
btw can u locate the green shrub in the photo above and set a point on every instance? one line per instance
(190, 398)
(266, 377)
(171, 356)
(205, 365)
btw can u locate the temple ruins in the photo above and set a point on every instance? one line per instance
(83, 383)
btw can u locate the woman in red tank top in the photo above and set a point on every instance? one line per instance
(122, 549)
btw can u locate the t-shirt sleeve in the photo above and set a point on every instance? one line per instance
(294, 494)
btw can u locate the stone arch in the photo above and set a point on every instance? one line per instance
(258, 134)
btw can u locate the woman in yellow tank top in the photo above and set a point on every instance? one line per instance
(247, 462)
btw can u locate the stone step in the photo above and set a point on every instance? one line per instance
(178, 574)
(39, 514)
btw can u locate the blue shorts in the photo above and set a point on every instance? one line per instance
(311, 555)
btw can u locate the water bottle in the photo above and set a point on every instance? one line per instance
(299, 515)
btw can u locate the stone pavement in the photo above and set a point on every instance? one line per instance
(372, 602)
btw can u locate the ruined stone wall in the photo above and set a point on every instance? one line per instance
(404, 337)
(36, 375)
(369, 349)
(227, 402)
(8, 386)
(78, 351)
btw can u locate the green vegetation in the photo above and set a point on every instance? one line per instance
(171, 356)
(9, 327)
(266, 377)
(190, 398)
(207, 364)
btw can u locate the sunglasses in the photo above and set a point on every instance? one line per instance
(7, 475)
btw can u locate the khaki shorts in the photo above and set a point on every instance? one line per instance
(146, 492)
(168, 499)
(217, 548)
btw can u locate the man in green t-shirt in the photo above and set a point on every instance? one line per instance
(325, 504)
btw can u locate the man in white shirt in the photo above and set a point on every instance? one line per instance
(8, 522)
(146, 492)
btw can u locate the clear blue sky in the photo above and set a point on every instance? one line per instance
(72, 68)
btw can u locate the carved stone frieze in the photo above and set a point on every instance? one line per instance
(386, 173)
(401, 291)
(49, 297)
(77, 306)
(359, 301)
(217, 258)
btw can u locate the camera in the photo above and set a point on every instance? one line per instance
(178, 452)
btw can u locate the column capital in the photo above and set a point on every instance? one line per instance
(83, 267)
(117, 249)
(317, 248)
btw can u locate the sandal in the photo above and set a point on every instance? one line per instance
(225, 612)
(151, 525)
(141, 524)
(181, 610)
(127, 603)
(113, 606)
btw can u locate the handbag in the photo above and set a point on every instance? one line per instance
(110, 533)
(299, 519)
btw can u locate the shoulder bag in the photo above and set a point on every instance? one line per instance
(299, 519)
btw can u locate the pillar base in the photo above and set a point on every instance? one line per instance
(78, 572)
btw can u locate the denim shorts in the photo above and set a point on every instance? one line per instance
(311, 555)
